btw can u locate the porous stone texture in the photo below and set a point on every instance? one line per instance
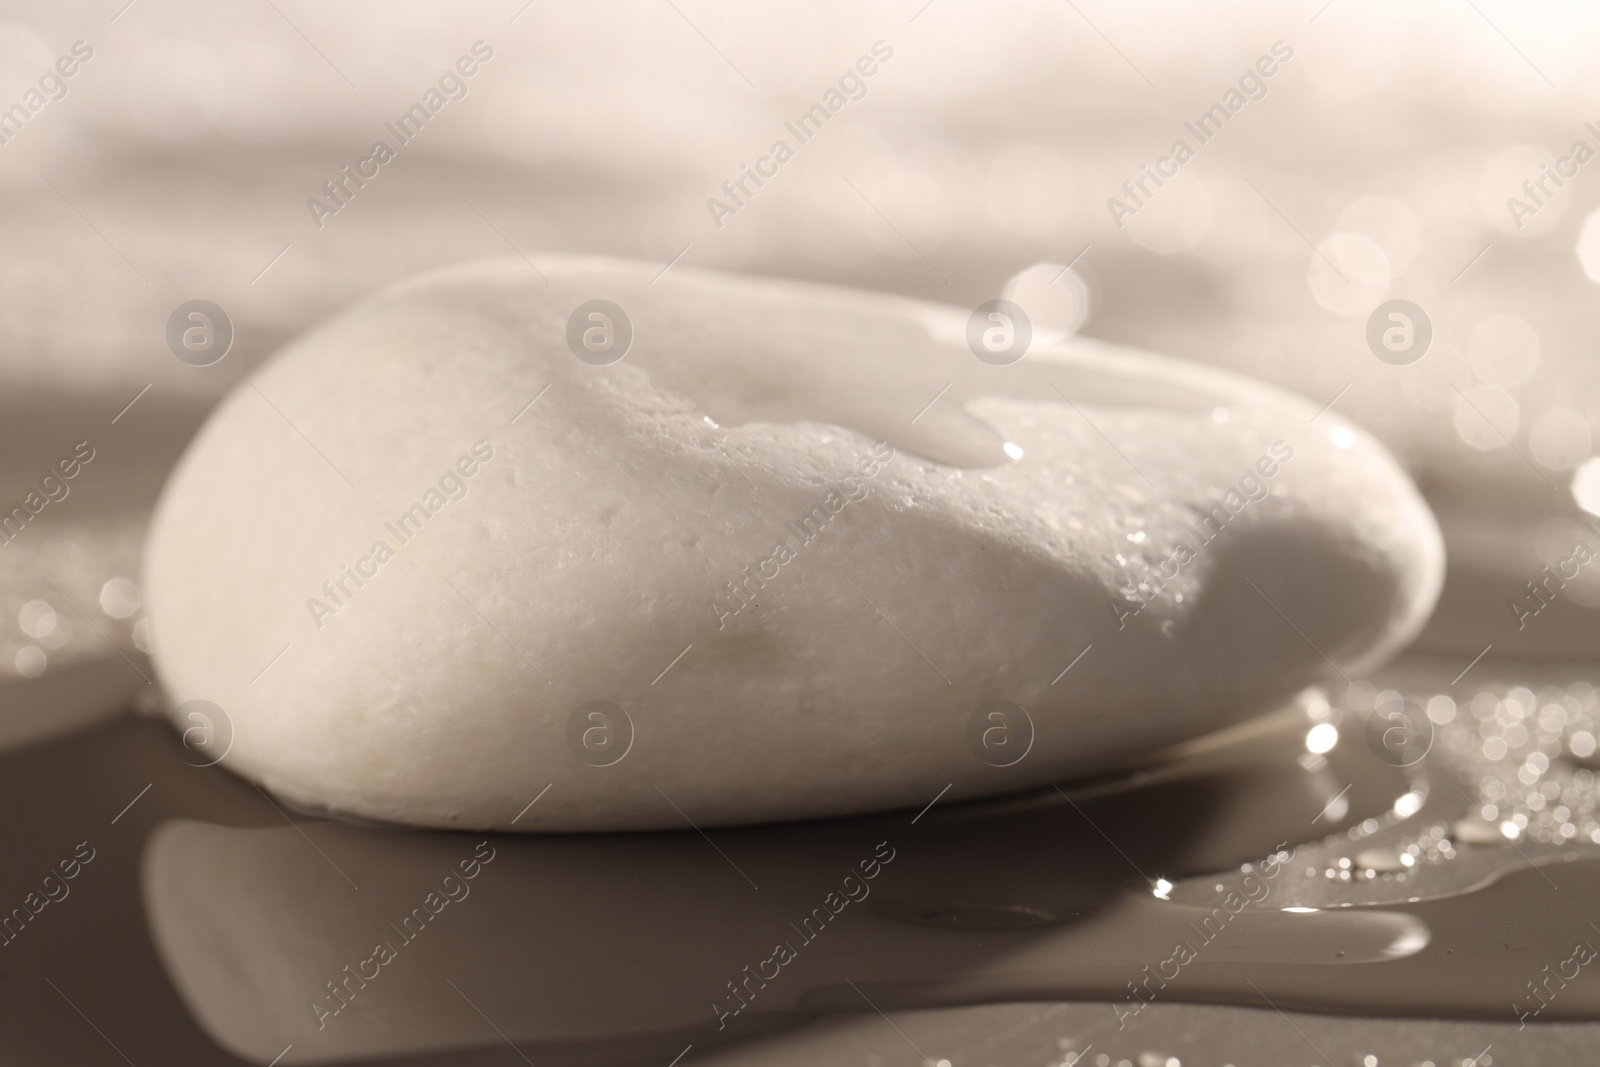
(798, 539)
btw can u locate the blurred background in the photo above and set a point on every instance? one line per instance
(1380, 162)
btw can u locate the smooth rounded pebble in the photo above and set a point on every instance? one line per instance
(577, 545)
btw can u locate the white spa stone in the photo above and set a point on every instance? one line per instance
(800, 540)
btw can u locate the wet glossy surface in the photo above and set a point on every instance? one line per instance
(815, 370)
(622, 948)
(1166, 1035)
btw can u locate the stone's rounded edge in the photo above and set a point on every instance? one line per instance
(381, 816)
(1411, 560)
(154, 569)
(1420, 579)
(1415, 545)
(1428, 574)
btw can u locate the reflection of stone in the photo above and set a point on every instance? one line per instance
(654, 942)
(986, 537)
